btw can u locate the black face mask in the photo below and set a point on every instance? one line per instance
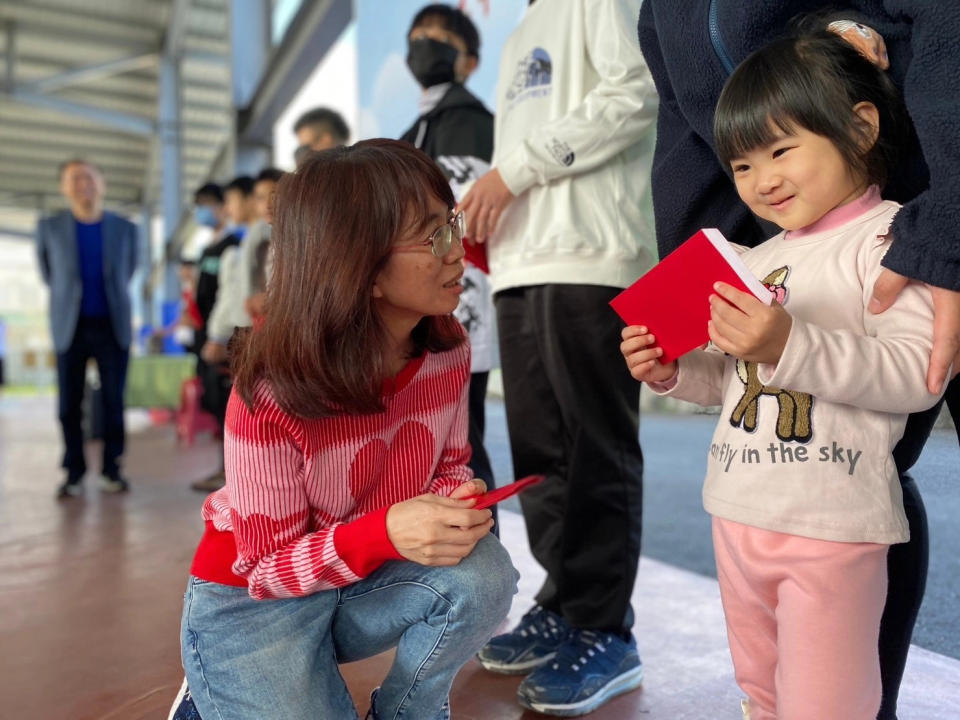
(431, 61)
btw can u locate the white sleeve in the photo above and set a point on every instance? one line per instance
(699, 379)
(884, 370)
(220, 325)
(612, 116)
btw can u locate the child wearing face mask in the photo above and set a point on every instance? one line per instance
(815, 390)
(456, 131)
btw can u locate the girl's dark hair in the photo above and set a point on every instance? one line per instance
(812, 80)
(322, 344)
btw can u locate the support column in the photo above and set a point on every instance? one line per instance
(170, 130)
(249, 52)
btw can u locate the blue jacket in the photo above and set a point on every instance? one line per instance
(691, 47)
(60, 267)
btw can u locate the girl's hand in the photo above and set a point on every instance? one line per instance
(641, 352)
(433, 530)
(744, 327)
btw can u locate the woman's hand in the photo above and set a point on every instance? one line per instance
(640, 350)
(434, 530)
(469, 489)
(746, 328)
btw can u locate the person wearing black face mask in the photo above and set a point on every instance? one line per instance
(432, 61)
(456, 130)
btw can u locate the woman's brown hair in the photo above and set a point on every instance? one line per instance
(322, 343)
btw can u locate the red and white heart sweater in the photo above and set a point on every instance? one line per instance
(305, 504)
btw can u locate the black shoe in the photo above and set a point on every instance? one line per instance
(114, 483)
(210, 484)
(71, 487)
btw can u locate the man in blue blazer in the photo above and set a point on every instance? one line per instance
(87, 258)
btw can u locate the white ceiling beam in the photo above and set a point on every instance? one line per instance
(89, 73)
(125, 122)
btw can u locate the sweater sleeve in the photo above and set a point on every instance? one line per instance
(278, 552)
(699, 379)
(884, 369)
(612, 116)
(927, 245)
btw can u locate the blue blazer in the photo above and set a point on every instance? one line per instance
(60, 267)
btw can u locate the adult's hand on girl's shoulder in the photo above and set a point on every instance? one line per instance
(434, 530)
(946, 324)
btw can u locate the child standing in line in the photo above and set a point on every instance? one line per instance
(815, 390)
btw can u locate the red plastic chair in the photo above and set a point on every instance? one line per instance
(191, 417)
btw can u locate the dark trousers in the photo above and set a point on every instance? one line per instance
(94, 338)
(573, 414)
(217, 384)
(479, 460)
(952, 398)
(907, 562)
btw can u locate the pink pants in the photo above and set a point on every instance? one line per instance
(803, 622)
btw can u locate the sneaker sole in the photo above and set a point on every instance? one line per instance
(178, 699)
(522, 668)
(623, 683)
(108, 486)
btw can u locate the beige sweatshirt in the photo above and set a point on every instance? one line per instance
(814, 458)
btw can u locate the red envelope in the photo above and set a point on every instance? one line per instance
(502, 493)
(671, 299)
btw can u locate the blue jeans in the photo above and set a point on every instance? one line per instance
(278, 659)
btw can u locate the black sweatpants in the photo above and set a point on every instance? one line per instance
(479, 459)
(573, 413)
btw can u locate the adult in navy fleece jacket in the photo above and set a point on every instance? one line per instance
(691, 46)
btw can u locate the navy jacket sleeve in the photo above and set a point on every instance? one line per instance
(134, 251)
(42, 258)
(927, 230)
(685, 166)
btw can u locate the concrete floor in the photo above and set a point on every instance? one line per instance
(90, 595)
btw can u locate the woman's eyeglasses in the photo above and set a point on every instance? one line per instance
(442, 239)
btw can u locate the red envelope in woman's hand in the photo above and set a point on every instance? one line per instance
(502, 493)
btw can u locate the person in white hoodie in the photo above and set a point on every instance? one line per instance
(564, 212)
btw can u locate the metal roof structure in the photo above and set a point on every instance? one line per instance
(81, 78)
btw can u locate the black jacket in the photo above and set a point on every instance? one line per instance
(457, 134)
(691, 46)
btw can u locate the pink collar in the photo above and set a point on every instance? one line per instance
(840, 215)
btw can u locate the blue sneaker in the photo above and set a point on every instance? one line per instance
(589, 669)
(533, 642)
(183, 707)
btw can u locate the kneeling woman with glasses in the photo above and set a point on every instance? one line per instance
(344, 528)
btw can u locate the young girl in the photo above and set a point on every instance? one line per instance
(344, 528)
(815, 390)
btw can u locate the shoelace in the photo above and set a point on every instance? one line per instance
(587, 645)
(540, 622)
